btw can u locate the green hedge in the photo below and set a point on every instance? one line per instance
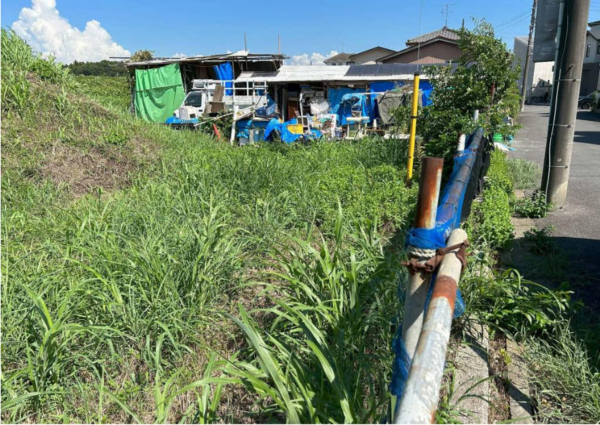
(489, 221)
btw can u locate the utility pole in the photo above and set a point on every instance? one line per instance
(563, 110)
(528, 55)
(245, 42)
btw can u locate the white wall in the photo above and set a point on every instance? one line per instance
(540, 74)
(593, 52)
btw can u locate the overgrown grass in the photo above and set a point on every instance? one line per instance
(566, 374)
(561, 346)
(112, 91)
(117, 285)
(525, 174)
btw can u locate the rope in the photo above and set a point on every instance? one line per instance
(421, 253)
(434, 257)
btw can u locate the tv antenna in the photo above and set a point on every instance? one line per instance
(446, 12)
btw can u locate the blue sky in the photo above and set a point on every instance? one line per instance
(311, 28)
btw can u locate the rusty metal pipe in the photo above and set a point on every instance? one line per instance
(421, 395)
(418, 284)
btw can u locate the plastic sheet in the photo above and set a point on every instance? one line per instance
(448, 218)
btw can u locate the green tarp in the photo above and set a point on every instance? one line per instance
(158, 92)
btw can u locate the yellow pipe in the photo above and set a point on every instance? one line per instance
(413, 126)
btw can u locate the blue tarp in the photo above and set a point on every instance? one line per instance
(175, 120)
(225, 72)
(342, 100)
(286, 136)
(426, 89)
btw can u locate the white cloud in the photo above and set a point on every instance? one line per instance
(48, 32)
(179, 55)
(312, 59)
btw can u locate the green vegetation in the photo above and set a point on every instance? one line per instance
(532, 207)
(560, 336)
(103, 68)
(136, 259)
(489, 220)
(108, 91)
(483, 80)
(525, 174)
(565, 373)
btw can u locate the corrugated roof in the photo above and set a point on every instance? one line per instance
(339, 57)
(443, 32)
(324, 73)
(242, 55)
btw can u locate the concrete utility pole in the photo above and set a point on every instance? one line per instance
(563, 110)
(528, 55)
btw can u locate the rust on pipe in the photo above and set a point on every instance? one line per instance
(421, 394)
(445, 287)
(429, 190)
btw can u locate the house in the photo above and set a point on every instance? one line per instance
(540, 74)
(590, 76)
(339, 59)
(436, 47)
(369, 56)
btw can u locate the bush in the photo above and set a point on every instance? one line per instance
(486, 64)
(490, 219)
(534, 206)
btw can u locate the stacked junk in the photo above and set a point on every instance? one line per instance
(264, 100)
(333, 113)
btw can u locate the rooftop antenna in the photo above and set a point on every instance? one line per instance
(245, 42)
(446, 11)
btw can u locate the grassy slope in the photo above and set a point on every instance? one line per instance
(124, 244)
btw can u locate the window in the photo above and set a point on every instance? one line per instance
(194, 99)
(598, 49)
(587, 50)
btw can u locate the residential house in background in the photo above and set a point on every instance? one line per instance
(436, 47)
(339, 59)
(540, 75)
(369, 56)
(590, 76)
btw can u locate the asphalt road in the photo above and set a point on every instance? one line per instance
(578, 224)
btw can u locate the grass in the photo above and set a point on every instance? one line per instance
(137, 261)
(525, 174)
(559, 334)
(566, 374)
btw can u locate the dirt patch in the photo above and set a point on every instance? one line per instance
(84, 171)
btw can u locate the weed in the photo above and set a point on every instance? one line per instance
(533, 207)
(524, 174)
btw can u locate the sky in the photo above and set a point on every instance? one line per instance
(310, 31)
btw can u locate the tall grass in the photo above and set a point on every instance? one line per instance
(525, 174)
(325, 356)
(115, 298)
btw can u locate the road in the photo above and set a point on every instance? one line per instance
(578, 224)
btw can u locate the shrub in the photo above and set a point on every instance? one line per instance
(534, 206)
(490, 219)
(484, 67)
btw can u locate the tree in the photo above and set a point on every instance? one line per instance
(142, 55)
(483, 79)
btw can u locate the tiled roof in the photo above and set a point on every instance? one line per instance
(444, 32)
(339, 57)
